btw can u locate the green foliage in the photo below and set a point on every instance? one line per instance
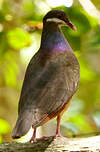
(86, 74)
(4, 128)
(18, 39)
(9, 68)
(81, 122)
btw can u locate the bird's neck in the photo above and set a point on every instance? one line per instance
(53, 39)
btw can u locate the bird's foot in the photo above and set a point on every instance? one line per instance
(37, 139)
(44, 137)
(58, 135)
(33, 140)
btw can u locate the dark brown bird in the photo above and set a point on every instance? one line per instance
(51, 78)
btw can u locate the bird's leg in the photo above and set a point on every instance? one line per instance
(57, 130)
(58, 126)
(33, 139)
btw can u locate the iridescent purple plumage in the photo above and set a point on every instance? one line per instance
(53, 39)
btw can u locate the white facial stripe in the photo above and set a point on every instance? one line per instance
(56, 20)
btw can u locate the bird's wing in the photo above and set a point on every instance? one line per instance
(47, 87)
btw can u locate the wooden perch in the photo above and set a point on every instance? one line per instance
(59, 144)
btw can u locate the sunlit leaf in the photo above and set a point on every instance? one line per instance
(9, 68)
(85, 72)
(92, 20)
(81, 122)
(17, 38)
(4, 127)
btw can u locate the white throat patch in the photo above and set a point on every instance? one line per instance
(56, 20)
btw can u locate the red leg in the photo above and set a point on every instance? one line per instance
(58, 126)
(57, 130)
(33, 139)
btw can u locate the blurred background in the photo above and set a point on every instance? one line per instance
(20, 34)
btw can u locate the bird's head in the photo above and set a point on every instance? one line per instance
(58, 17)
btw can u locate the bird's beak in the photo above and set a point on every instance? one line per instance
(72, 26)
(67, 22)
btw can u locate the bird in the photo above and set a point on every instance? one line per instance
(51, 79)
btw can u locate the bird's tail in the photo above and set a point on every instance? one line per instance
(23, 125)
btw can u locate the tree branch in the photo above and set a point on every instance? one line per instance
(59, 144)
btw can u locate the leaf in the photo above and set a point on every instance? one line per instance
(18, 39)
(86, 73)
(81, 122)
(4, 127)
